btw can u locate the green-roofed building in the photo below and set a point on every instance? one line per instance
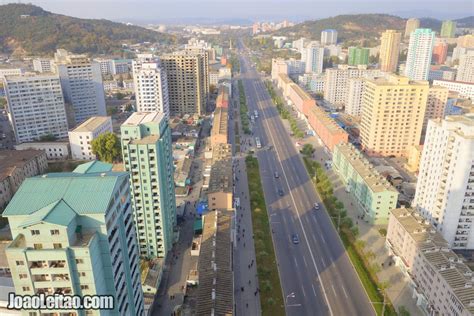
(147, 155)
(73, 233)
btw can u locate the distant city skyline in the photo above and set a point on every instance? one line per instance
(246, 11)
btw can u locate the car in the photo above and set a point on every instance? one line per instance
(276, 174)
(295, 239)
(280, 192)
(316, 206)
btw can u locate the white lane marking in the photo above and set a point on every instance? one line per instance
(294, 203)
(345, 293)
(322, 237)
(304, 293)
(334, 290)
(296, 263)
(304, 259)
(323, 262)
(314, 291)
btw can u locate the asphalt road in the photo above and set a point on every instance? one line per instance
(316, 275)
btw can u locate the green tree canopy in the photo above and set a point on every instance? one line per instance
(107, 147)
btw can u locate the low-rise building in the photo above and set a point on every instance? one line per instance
(53, 150)
(328, 131)
(219, 129)
(219, 192)
(82, 136)
(465, 89)
(442, 282)
(375, 196)
(15, 167)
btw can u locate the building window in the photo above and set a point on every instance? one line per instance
(54, 232)
(20, 263)
(38, 246)
(26, 288)
(35, 232)
(57, 246)
(23, 276)
(79, 261)
(84, 287)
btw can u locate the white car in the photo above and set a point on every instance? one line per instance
(316, 206)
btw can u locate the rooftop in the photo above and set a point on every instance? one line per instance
(215, 290)
(86, 190)
(374, 180)
(328, 122)
(221, 176)
(12, 159)
(92, 124)
(220, 121)
(138, 118)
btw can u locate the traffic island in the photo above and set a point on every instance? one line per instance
(271, 298)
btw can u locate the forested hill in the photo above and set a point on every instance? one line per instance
(28, 29)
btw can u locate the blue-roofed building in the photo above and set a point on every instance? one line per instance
(73, 233)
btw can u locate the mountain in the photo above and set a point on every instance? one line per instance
(362, 28)
(349, 27)
(28, 29)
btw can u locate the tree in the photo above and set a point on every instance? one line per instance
(107, 147)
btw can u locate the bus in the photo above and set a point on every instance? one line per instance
(257, 142)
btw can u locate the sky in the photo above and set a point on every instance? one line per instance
(166, 11)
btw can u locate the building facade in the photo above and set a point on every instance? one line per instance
(73, 234)
(151, 88)
(314, 55)
(80, 138)
(466, 68)
(465, 89)
(389, 50)
(147, 155)
(393, 110)
(36, 107)
(42, 65)
(419, 54)
(375, 196)
(448, 29)
(445, 184)
(81, 82)
(329, 37)
(53, 150)
(411, 25)
(358, 56)
(186, 82)
(436, 105)
(440, 53)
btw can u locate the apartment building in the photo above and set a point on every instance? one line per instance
(81, 82)
(336, 83)
(375, 196)
(436, 104)
(411, 25)
(219, 130)
(354, 97)
(36, 107)
(80, 138)
(187, 84)
(440, 53)
(54, 150)
(312, 56)
(329, 37)
(151, 88)
(465, 89)
(448, 29)
(466, 68)
(393, 110)
(442, 283)
(358, 56)
(147, 155)
(389, 50)
(445, 187)
(419, 54)
(42, 65)
(15, 167)
(73, 234)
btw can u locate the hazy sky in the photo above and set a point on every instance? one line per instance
(168, 10)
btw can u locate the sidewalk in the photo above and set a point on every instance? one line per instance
(247, 299)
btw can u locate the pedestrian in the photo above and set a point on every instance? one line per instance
(244, 245)
(242, 289)
(250, 282)
(247, 305)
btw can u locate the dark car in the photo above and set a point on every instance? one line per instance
(280, 192)
(295, 239)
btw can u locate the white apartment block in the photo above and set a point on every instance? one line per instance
(465, 90)
(213, 78)
(80, 138)
(10, 72)
(121, 66)
(110, 85)
(354, 97)
(105, 65)
(466, 68)
(313, 58)
(442, 73)
(419, 53)
(81, 82)
(445, 189)
(458, 51)
(336, 83)
(441, 282)
(42, 65)
(151, 88)
(36, 107)
(53, 150)
(329, 37)
(300, 44)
